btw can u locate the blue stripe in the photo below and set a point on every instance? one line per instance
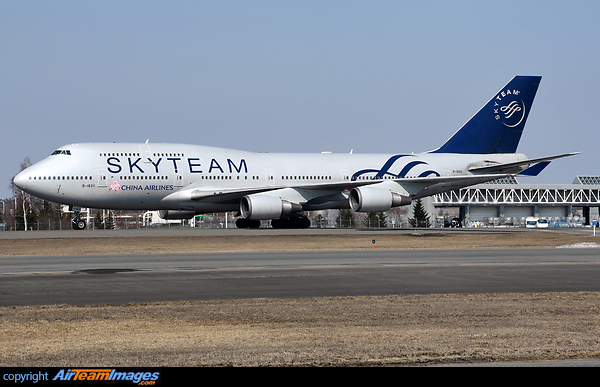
(427, 173)
(408, 167)
(388, 164)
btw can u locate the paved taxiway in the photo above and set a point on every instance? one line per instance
(121, 279)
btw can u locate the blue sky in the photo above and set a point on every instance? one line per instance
(283, 76)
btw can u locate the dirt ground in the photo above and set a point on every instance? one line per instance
(422, 239)
(347, 331)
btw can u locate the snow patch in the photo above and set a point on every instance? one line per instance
(579, 245)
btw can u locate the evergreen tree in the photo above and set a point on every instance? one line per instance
(106, 223)
(109, 221)
(420, 216)
(98, 221)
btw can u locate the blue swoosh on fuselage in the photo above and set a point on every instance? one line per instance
(388, 164)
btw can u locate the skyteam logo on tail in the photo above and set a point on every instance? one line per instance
(508, 108)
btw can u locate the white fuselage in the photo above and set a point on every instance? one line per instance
(151, 176)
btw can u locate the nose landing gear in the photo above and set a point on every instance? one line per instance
(78, 223)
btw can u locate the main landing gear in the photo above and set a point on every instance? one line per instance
(293, 221)
(247, 223)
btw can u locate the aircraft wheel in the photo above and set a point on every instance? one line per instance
(78, 224)
(247, 223)
(304, 222)
(281, 223)
(293, 222)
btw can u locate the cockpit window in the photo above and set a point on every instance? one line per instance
(61, 152)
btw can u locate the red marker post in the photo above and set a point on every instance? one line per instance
(373, 244)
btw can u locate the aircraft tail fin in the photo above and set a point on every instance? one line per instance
(498, 125)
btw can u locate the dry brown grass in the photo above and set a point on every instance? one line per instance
(351, 241)
(366, 331)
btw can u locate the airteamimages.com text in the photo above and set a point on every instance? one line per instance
(144, 377)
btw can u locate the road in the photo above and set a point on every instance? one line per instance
(134, 278)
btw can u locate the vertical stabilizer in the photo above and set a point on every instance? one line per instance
(496, 127)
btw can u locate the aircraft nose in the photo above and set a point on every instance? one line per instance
(21, 180)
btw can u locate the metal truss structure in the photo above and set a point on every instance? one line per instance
(576, 195)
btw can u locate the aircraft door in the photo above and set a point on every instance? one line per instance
(345, 175)
(270, 176)
(101, 178)
(145, 152)
(178, 179)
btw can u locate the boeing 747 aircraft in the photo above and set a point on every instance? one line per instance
(184, 180)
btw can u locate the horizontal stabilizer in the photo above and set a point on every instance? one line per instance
(517, 167)
(536, 169)
(427, 186)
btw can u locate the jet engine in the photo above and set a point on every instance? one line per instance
(375, 199)
(261, 206)
(176, 214)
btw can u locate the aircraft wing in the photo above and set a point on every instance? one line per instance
(518, 167)
(298, 193)
(414, 187)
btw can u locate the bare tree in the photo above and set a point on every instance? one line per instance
(24, 198)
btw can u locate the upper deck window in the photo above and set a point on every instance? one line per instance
(61, 152)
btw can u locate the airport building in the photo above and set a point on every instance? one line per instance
(506, 202)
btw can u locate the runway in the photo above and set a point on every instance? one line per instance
(122, 279)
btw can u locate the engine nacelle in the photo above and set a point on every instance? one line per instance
(176, 214)
(375, 199)
(261, 206)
